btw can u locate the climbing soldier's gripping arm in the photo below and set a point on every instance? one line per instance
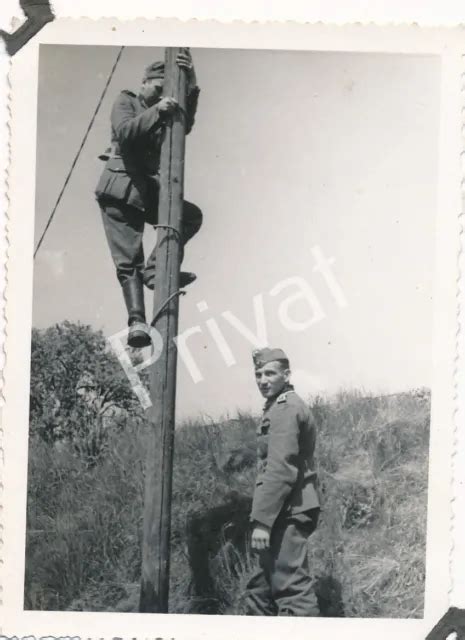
(128, 126)
(191, 107)
(185, 61)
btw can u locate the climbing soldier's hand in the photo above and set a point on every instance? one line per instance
(184, 60)
(167, 105)
(260, 537)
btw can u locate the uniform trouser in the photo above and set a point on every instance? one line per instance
(282, 585)
(124, 227)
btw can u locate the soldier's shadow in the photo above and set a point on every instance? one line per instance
(207, 533)
(226, 528)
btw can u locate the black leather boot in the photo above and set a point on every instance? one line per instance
(133, 291)
(185, 277)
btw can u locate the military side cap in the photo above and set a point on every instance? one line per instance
(262, 356)
(155, 70)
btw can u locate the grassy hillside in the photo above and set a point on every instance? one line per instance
(84, 518)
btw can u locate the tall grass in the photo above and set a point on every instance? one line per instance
(84, 522)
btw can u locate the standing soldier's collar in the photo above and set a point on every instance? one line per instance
(283, 395)
(280, 398)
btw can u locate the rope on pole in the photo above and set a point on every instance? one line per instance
(169, 227)
(180, 292)
(76, 157)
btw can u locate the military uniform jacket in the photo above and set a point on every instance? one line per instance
(132, 164)
(286, 481)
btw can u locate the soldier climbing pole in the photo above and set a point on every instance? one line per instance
(159, 464)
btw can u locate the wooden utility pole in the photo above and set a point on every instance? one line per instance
(159, 465)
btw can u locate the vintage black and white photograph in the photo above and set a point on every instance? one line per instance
(231, 347)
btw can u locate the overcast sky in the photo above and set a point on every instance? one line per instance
(290, 151)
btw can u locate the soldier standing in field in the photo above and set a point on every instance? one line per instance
(285, 506)
(128, 188)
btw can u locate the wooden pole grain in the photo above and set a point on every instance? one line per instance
(159, 462)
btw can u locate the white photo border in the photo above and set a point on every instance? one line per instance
(445, 43)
